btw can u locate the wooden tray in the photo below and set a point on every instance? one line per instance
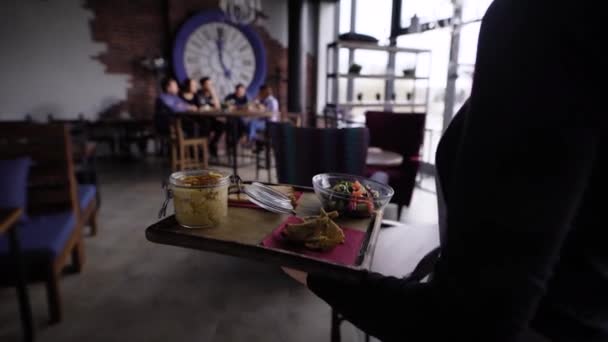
(242, 233)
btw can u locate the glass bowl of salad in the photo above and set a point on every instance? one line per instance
(351, 195)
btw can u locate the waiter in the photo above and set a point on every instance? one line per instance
(525, 248)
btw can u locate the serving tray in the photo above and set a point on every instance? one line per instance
(242, 233)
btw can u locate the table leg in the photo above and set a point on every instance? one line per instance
(24, 300)
(336, 321)
(235, 142)
(267, 150)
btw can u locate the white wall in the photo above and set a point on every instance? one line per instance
(277, 23)
(310, 27)
(325, 35)
(46, 63)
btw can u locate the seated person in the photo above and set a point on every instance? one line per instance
(170, 97)
(238, 100)
(207, 96)
(169, 103)
(188, 93)
(208, 100)
(268, 103)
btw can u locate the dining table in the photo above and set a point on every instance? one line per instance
(120, 132)
(8, 225)
(379, 157)
(232, 117)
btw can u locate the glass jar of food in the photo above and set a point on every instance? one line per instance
(200, 197)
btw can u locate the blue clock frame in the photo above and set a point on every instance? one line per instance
(206, 17)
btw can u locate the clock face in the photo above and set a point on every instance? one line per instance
(222, 52)
(208, 45)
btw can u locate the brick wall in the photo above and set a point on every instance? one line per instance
(139, 28)
(131, 30)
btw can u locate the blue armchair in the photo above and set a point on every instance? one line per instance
(52, 234)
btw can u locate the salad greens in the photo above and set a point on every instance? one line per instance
(353, 197)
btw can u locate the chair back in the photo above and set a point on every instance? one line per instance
(162, 118)
(333, 116)
(301, 153)
(79, 135)
(51, 183)
(402, 133)
(176, 132)
(186, 152)
(292, 118)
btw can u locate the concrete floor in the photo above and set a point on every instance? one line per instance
(134, 290)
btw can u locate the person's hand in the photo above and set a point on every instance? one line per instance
(299, 276)
(192, 108)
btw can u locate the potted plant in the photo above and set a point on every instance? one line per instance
(409, 72)
(354, 69)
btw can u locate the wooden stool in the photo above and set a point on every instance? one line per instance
(186, 152)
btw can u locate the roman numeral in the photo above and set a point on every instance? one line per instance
(196, 43)
(247, 62)
(200, 35)
(207, 35)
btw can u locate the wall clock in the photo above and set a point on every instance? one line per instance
(208, 44)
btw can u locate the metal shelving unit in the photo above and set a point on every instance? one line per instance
(384, 76)
(345, 108)
(378, 104)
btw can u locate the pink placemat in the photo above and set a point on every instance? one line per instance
(345, 253)
(247, 204)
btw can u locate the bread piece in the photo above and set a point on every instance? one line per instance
(316, 232)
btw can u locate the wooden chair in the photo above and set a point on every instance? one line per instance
(53, 232)
(333, 117)
(295, 119)
(88, 199)
(186, 153)
(84, 159)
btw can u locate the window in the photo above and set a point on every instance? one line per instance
(374, 18)
(345, 8)
(425, 10)
(474, 9)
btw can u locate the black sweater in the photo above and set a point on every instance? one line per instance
(521, 168)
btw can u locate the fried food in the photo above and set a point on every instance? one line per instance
(316, 232)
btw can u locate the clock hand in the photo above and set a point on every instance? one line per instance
(220, 48)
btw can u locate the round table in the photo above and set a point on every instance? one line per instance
(379, 157)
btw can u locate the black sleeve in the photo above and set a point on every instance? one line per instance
(196, 100)
(523, 162)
